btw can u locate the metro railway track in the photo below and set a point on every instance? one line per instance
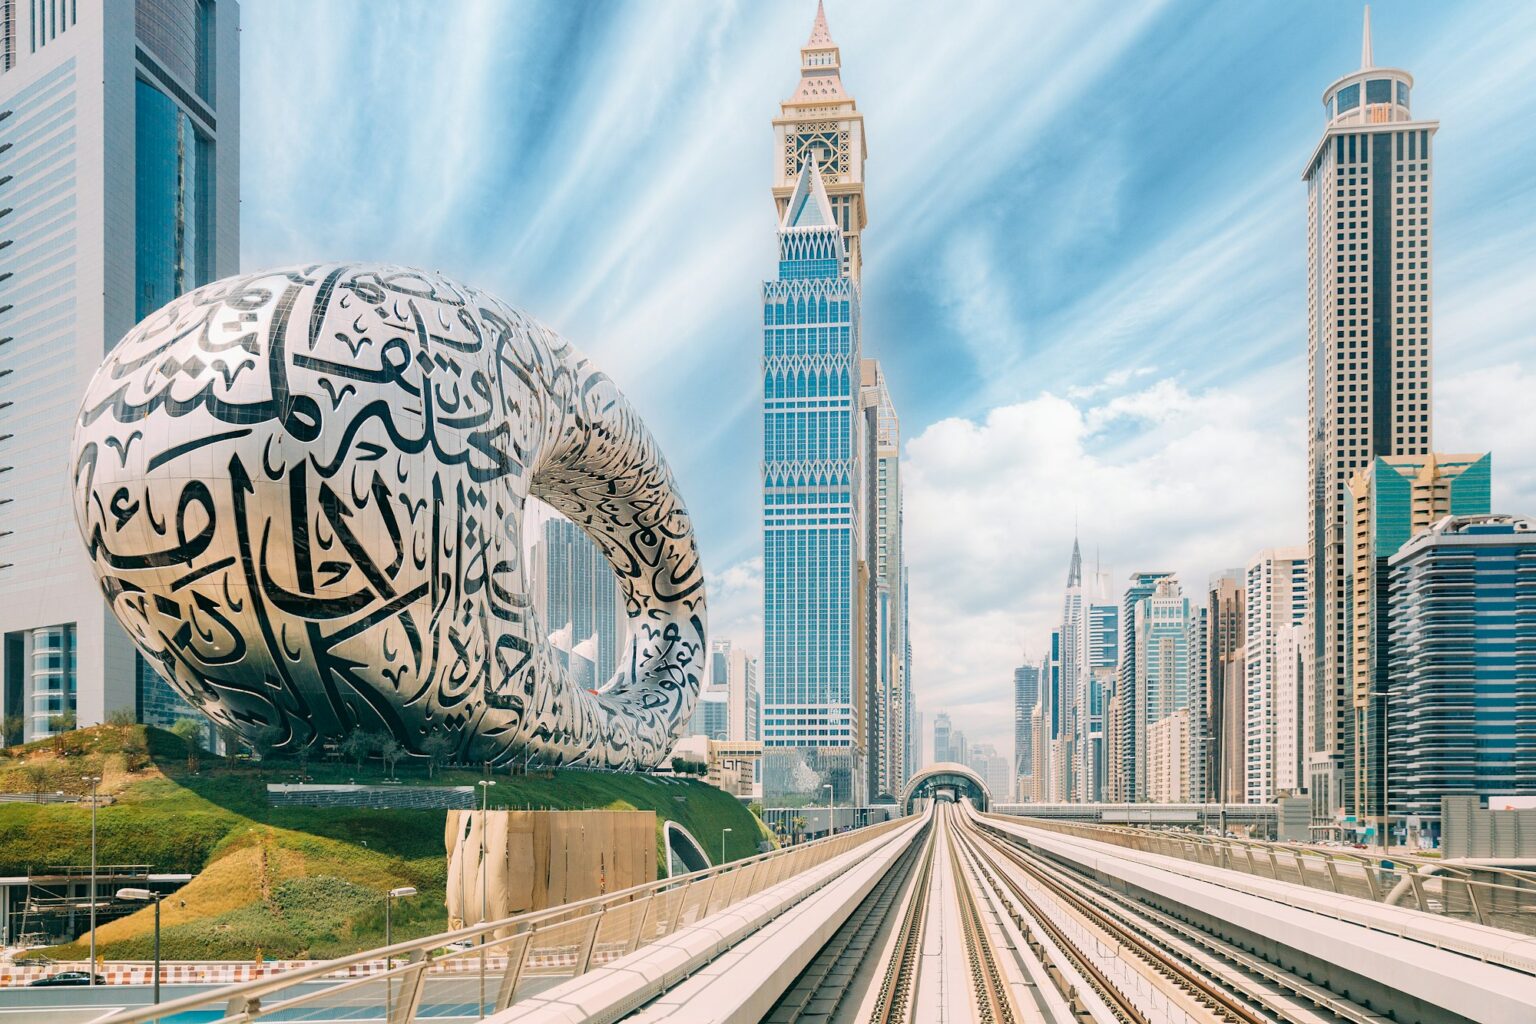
(894, 1000)
(1223, 1004)
(969, 925)
(1168, 940)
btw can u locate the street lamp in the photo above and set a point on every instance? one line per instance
(389, 898)
(143, 896)
(94, 780)
(722, 844)
(485, 881)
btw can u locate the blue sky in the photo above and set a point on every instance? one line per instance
(1084, 269)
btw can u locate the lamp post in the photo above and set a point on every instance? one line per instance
(831, 815)
(144, 896)
(485, 796)
(94, 780)
(389, 899)
(722, 844)
(485, 881)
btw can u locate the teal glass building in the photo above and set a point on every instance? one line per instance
(812, 707)
(1462, 694)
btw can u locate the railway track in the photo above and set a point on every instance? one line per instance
(970, 925)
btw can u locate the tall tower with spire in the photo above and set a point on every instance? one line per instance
(1068, 716)
(822, 122)
(1369, 338)
(815, 655)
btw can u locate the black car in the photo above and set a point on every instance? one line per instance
(68, 978)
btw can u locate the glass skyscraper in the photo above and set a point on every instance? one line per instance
(820, 657)
(1460, 707)
(813, 705)
(577, 598)
(120, 130)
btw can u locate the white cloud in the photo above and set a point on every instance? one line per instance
(1199, 481)
(736, 605)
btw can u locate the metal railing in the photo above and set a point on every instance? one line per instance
(1499, 897)
(484, 968)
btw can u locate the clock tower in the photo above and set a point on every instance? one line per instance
(822, 122)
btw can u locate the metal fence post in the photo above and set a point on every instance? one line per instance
(405, 1010)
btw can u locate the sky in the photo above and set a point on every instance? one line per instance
(1084, 269)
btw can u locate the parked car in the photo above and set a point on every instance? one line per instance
(68, 978)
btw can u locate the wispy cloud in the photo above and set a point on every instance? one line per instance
(1061, 196)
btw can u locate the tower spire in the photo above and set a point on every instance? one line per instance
(820, 34)
(1366, 60)
(1075, 570)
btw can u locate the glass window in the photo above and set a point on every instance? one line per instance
(1349, 97)
(1402, 93)
(1378, 90)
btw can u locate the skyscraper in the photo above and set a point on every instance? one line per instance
(1068, 711)
(1460, 708)
(1226, 708)
(1165, 625)
(736, 671)
(1127, 735)
(1274, 610)
(1026, 694)
(816, 651)
(121, 130)
(885, 605)
(1097, 664)
(941, 738)
(1394, 498)
(577, 596)
(1369, 315)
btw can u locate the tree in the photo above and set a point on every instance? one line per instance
(438, 747)
(391, 751)
(62, 722)
(121, 717)
(185, 730)
(14, 727)
(267, 742)
(232, 741)
(358, 744)
(39, 774)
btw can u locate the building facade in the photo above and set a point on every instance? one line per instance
(1026, 695)
(1461, 699)
(1226, 708)
(122, 185)
(1130, 714)
(1275, 610)
(577, 598)
(1170, 752)
(736, 671)
(815, 574)
(888, 693)
(1369, 332)
(1393, 499)
(1068, 692)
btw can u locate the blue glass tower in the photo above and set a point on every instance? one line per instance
(813, 706)
(1461, 701)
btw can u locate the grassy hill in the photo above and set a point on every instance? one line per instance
(281, 881)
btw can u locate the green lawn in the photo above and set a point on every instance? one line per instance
(286, 881)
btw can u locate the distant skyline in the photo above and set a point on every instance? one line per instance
(1084, 271)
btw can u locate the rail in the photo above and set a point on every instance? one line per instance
(484, 968)
(1456, 889)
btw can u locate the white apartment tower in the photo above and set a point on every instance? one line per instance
(1275, 608)
(120, 128)
(1368, 254)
